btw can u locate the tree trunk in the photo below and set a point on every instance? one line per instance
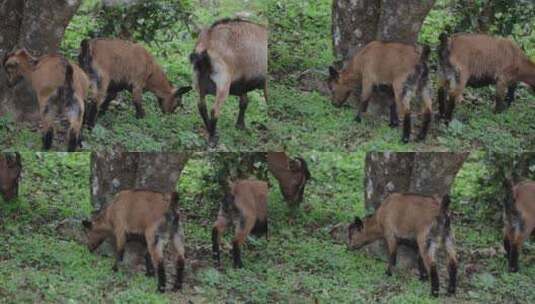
(355, 23)
(37, 25)
(113, 172)
(425, 173)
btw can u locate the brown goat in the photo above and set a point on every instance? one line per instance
(409, 218)
(478, 60)
(10, 169)
(292, 175)
(61, 88)
(519, 217)
(246, 206)
(115, 65)
(230, 58)
(401, 66)
(152, 215)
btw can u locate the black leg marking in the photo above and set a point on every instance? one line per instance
(47, 139)
(451, 108)
(148, 265)
(140, 113)
(363, 109)
(118, 259)
(394, 120)
(73, 142)
(424, 276)
(161, 277)
(511, 95)
(452, 271)
(507, 247)
(204, 115)
(434, 281)
(179, 274)
(500, 105)
(425, 126)
(240, 124)
(216, 255)
(91, 115)
(513, 259)
(392, 260)
(442, 96)
(406, 128)
(236, 255)
(106, 104)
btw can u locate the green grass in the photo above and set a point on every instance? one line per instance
(300, 263)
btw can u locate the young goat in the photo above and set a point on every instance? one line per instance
(292, 175)
(10, 169)
(479, 60)
(402, 66)
(152, 215)
(411, 218)
(115, 65)
(230, 58)
(519, 217)
(61, 88)
(246, 206)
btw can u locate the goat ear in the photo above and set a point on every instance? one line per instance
(87, 224)
(358, 223)
(333, 73)
(183, 90)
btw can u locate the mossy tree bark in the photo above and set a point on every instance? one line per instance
(425, 173)
(113, 172)
(37, 25)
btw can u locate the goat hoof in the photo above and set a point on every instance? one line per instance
(238, 265)
(212, 141)
(388, 272)
(358, 119)
(421, 137)
(115, 268)
(405, 140)
(513, 269)
(393, 125)
(434, 293)
(161, 289)
(177, 288)
(451, 291)
(241, 127)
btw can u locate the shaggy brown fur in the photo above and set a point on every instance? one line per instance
(10, 169)
(292, 175)
(519, 217)
(245, 206)
(230, 58)
(413, 218)
(152, 215)
(401, 66)
(61, 88)
(479, 60)
(115, 65)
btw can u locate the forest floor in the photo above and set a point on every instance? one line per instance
(294, 119)
(300, 263)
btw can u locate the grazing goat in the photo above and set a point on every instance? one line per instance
(152, 215)
(292, 175)
(230, 58)
(478, 60)
(519, 217)
(116, 65)
(402, 66)
(10, 169)
(246, 206)
(61, 88)
(411, 218)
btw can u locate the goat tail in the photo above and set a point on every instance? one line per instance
(201, 61)
(304, 166)
(85, 54)
(445, 205)
(426, 50)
